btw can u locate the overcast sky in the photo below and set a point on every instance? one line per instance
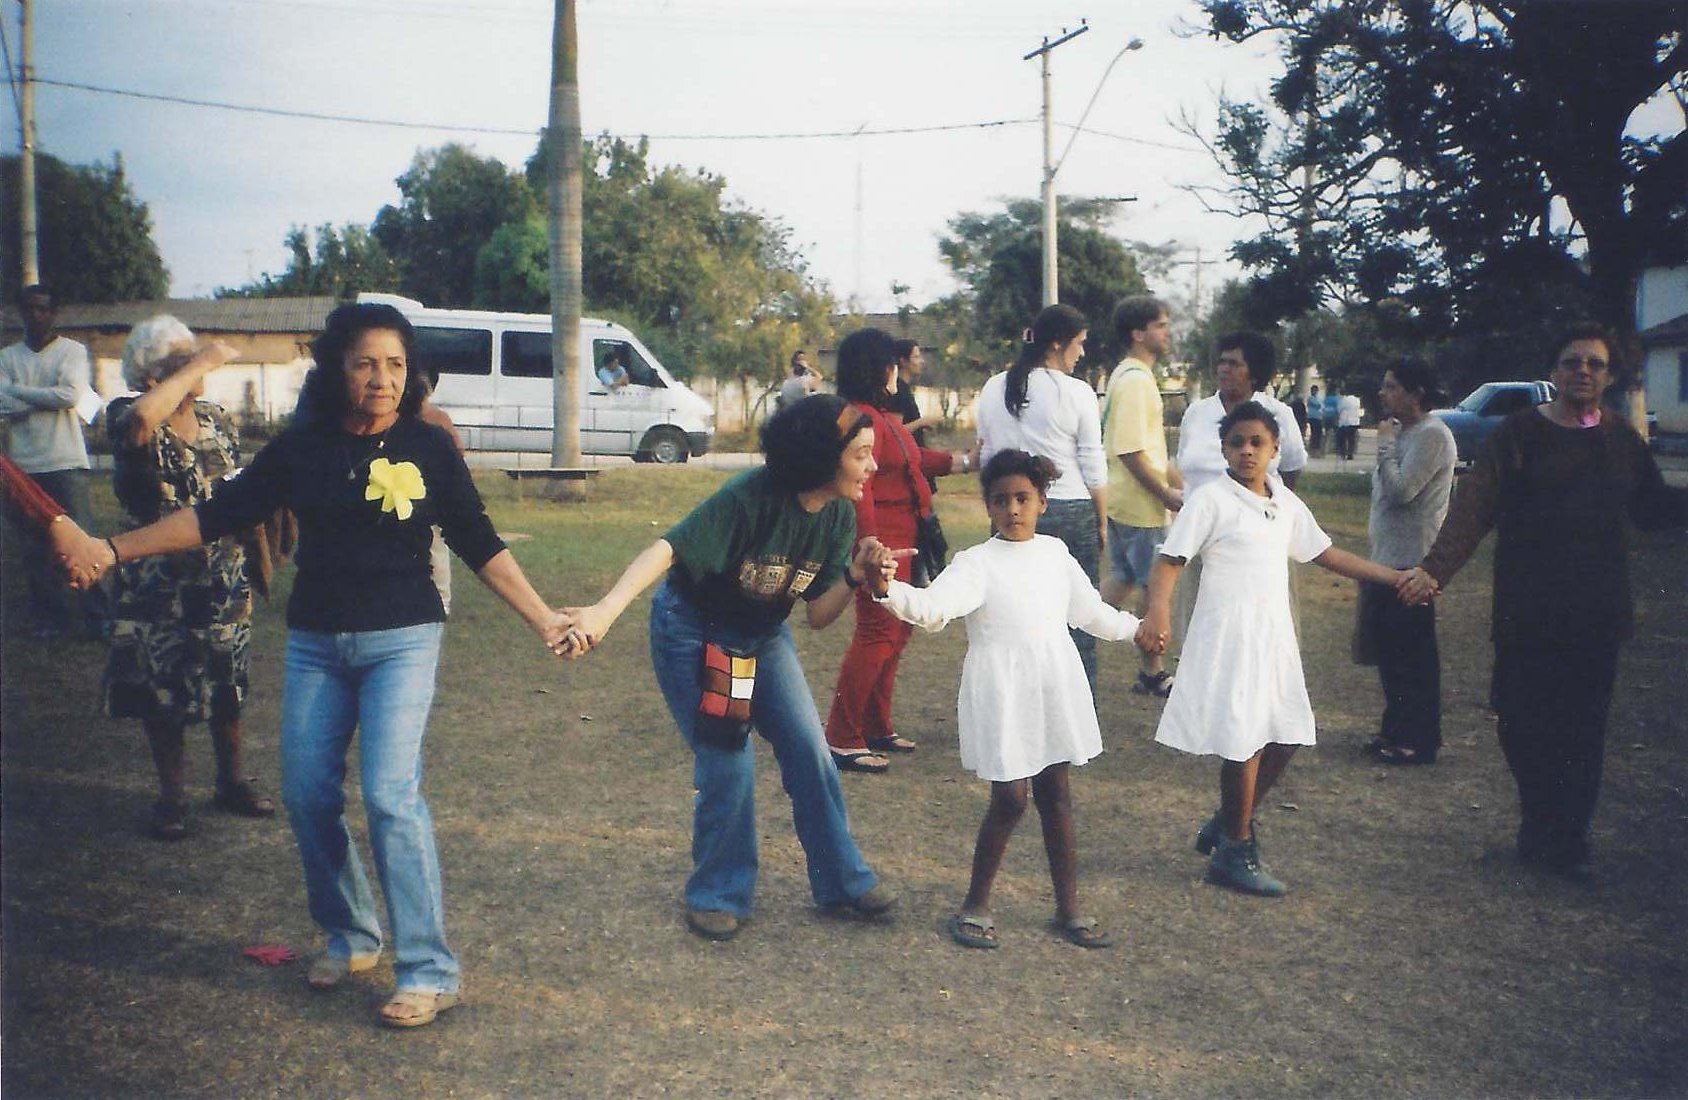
(225, 186)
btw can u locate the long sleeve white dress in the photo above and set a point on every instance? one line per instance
(1240, 685)
(1024, 703)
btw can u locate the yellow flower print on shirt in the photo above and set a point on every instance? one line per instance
(395, 485)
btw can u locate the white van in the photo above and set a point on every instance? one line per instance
(495, 382)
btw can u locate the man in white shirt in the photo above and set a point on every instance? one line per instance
(1134, 431)
(1348, 413)
(41, 380)
(1247, 361)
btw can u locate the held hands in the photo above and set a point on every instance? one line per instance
(82, 557)
(1154, 632)
(876, 565)
(562, 636)
(587, 627)
(1415, 587)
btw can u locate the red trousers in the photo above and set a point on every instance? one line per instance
(861, 704)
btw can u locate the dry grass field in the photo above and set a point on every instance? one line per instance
(1413, 957)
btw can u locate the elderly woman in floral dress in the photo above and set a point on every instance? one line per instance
(181, 623)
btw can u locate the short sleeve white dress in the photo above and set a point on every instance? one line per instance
(1240, 685)
(1024, 703)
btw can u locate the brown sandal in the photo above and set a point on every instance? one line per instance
(241, 798)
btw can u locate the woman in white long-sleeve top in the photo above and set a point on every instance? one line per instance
(1038, 406)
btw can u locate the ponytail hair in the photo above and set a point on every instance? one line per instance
(1057, 324)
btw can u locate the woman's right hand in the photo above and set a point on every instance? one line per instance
(82, 556)
(590, 624)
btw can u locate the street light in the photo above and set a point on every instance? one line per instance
(1050, 164)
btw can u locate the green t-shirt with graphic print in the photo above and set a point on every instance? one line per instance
(745, 555)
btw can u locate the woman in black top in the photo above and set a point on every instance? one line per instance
(735, 568)
(1557, 483)
(368, 481)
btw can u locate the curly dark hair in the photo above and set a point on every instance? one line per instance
(1036, 469)
(1258, 352)
(804, 443)
(322, 399)
(865, 359)
(1248, 410)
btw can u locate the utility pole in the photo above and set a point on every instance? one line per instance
(1050, 273)
(29, 243)
(564, 198)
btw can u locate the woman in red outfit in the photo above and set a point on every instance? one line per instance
(859, 729)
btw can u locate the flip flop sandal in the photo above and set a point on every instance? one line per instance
(1083, 932)
(893, 743)
(1375, 746)
(861, 761)
(416, 1007)
(970, 930)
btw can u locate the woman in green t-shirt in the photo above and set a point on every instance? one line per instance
(735, 567)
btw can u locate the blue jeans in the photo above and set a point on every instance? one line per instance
(1074, 522)
(382, 683)
(724, 817)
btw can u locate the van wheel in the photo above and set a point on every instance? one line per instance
(667, 446)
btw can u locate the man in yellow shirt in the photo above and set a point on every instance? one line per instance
(1132, 429)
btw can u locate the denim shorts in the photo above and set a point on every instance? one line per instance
(1131, 551)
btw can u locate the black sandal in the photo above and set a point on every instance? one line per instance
(1159, 685)
(170, 819)
(1403, 757)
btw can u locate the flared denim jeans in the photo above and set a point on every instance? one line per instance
(381, 683)
(724, 851)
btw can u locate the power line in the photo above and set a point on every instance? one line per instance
(1133, 140)
(11, 77)
(281, 112)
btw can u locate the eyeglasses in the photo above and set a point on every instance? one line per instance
(1593, 363)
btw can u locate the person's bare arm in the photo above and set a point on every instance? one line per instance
(1353, 566)
(1137, 465)
(642, 572)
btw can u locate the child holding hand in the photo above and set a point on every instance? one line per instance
(1240, 692)
(1025, 708)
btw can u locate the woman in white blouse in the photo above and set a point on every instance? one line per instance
(1038, 406)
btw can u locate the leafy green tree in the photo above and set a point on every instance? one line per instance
(997, 258)
(1414, 150)
(453, 202)
(94, 236)
(340, 263)
(718, 287)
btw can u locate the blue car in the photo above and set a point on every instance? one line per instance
(1485, 407)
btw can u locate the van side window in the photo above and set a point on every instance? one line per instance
(606, 354)
(455, 350)
(527, 355)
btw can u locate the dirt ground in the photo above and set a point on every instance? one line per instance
(1412, 957)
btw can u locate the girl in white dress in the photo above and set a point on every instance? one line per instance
(1240, 693)
(1025, 708)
